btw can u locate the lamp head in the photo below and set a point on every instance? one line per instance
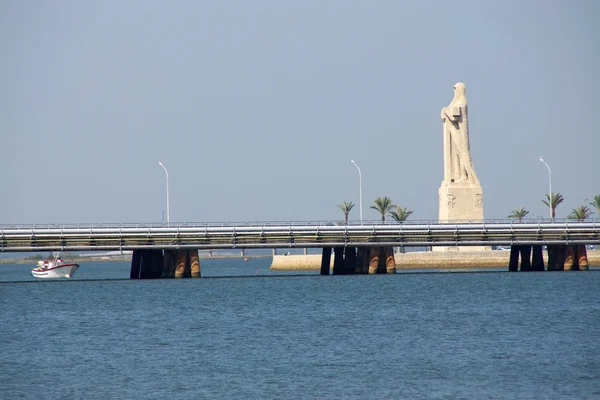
(352, 161)
(541, 159)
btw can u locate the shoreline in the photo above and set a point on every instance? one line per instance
(420, 260)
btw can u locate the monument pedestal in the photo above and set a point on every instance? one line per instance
(460, 202)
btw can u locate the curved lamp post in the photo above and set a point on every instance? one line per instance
(359, 190)
(168, 208)
(550, 186)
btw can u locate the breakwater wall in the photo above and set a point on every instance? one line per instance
(420, 260)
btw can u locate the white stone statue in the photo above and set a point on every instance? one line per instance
(458, 165)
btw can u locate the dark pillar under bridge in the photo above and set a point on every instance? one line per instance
(513, 263)
(169, 264)
(537, 258)
(156, 263)
(325, 260)
(338, 261)
(525, 251)
(362, 266)
(136, 258)
(350, 260)
(146, 264)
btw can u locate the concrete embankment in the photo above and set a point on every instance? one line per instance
(419, 260)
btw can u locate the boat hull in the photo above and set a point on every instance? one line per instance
(61, 271)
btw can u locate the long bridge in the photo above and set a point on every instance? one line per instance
(179, 238)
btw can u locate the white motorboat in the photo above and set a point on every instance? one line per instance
(54, 267)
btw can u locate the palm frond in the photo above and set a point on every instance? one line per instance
(400, 214)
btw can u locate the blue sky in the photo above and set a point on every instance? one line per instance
(256, 108)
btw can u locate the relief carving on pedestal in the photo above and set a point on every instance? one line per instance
(479, 200)
(451, 200)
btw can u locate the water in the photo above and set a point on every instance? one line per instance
(265, 335)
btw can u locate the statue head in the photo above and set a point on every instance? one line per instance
(460, 89)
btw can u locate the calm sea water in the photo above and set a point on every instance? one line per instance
(256, 334)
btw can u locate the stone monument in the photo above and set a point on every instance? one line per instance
(460, 195)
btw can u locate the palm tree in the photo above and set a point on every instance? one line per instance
(596, 203)
(519, 213)
(346, 207)
(581, 213)
(383, 205)
(400, 214)
(553, 202)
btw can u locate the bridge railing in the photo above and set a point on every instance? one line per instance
(353, 223)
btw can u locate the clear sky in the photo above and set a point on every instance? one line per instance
(257, 107)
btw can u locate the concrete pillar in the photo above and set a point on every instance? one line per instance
(195, 263)
(169, 264)
(582, 257)
(561, 255)
(513, 263)
(156, 263)
(537, 258)
(556, 257)
(274, 252)
(182, 264)
(350, 260)
(361, 261)
(525, 251)
(390, 262)
(146, 265)
(338, 261)
(242, 253)
(571, 259)
(136, 259)
(373, 260)
(325, 261)
(305, 251)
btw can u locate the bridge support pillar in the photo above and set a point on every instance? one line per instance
(537, 258)
(156, 263)
(195, 263)
(338, 261)
(513, 263)
(183, 265)
(136, 263)
(325, 260)
(373, 260)
(350, 260)
(146, 264)
(362, 265)
(169, 264)
(582, 257)
(553, 257)
(390, 262)
(381, 260)
(525, 251)
(561, 256)
(571, 260)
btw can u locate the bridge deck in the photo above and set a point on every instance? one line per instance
(247, 236)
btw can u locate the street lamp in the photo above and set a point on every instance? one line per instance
(550, 184)
(168, 208)
(359, 189)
